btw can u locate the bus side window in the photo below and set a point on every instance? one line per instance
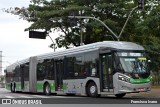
(70, 67)
(50, 69)
(78, 67)
(93, 69)
(40, 71)
(91, 65)
(25, 69)
(17, 73)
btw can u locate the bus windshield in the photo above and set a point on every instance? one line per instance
(134, 64)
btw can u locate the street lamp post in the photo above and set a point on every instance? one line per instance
(110, 36)
(126, 22)
(117, 37)
(87, 17)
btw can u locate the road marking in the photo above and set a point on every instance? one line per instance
(9, 96)
(66, 97)
(39, 96)
(58, 97)
(22, 96)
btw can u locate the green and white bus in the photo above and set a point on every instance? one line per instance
(102, 68)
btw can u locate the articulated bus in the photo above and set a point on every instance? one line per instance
(102, 68)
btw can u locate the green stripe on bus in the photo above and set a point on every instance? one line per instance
(64, 86)
(18, 85)
(8, 86)
(40, 86)
(52, 86)
(139, 81)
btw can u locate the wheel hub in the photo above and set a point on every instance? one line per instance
(92, 89)
(47, 89)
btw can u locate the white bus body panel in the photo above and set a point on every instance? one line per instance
(126, 87)
(78, 86)
(32, 74)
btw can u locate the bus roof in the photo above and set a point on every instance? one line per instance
(117, 45)
(94, 46)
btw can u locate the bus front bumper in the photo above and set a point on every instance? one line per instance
(124, 87)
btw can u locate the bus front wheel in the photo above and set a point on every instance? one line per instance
(47, 89)
(92, 90)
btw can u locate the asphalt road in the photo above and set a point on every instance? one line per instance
(153, 95)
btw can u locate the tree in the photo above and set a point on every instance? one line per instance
(54, 15)
(148, 35)
(142, 28)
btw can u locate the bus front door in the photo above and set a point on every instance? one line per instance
(59, 75)
(106, 68)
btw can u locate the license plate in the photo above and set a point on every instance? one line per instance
(141, 89)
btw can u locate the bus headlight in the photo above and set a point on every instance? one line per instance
(123, 78)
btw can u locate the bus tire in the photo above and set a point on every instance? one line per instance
(92, 90)
(70, 94)
(13, 88)
(47, 89)
(120, 95)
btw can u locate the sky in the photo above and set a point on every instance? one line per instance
(15, 43)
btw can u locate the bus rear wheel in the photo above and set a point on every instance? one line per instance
(47, 89)
(92, 90)
(13, 88)
(120, 95)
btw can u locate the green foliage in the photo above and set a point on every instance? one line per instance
(143, 26)
(147, 32)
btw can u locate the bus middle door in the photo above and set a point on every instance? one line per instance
(59, 75)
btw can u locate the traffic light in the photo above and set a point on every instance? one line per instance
(37, 34)
(141, 4)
